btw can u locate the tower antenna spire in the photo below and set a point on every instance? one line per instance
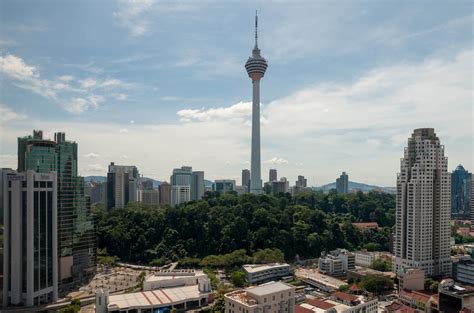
(256, 27)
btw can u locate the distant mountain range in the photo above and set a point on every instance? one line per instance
(156, 183)
(358, 186)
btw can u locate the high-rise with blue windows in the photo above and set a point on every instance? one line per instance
(77, 257)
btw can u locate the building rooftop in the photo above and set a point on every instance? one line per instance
(321, 304)
(397, 307)
(412, 294)
(269, 288)
(368, 271)
(302, 309)
(344, 296)
(175, 274)
(252, 268)
(367, 225)
(154, 298)
(448, 286)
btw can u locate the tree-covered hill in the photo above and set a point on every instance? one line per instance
(219, 224)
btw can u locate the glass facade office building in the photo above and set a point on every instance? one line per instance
(76, 235)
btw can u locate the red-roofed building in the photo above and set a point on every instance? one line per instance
(300, 309)
(416, 299)
(397, 307)
(321, 304)
(354, 289)
(345, 298)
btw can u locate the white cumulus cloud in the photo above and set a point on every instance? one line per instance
(236, 111)
(276, 161)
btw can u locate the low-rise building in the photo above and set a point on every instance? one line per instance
(339, 302)
(411, 279)
(361, 272)
(158, 300)
(365, 258)
(416, 299)
(454, 298)
(175, 278)
(463, 271)
(260, 273)
(337, 262)
(273, 297)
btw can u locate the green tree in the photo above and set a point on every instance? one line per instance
(238, 278)
(376, 284)
(380, 264)
(305, 225)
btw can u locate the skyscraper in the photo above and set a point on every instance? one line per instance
(281, 186)
(189, 180)
(256, 66)
(246, 178)
(122, 185)
(223, 185)
(342, 183)
(422, 229)
(30, 265)
(472, 203)
(461, 193)
(197, 186)
(164, 193)
(301, 182)
(76, 237)
(272, 175)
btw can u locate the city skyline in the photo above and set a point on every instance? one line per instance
(321, 93)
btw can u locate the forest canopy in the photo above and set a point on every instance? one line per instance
(220, 224)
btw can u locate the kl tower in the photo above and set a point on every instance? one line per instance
(256, 66)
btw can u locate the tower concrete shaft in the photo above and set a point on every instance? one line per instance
(256, 66)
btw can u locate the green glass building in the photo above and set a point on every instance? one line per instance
(76, 233)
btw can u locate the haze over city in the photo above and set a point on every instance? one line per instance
(160, 85)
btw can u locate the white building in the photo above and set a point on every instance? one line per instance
(185, 176)
(258, 273)
(30, 267)
(273, 297)
(423, 206)
(175, 278)
(365, 258)
(181, 298)
(337, 262)
(180, 194)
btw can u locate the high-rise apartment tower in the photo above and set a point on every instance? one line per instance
(423, 207)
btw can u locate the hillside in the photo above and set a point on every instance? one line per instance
(357, 186)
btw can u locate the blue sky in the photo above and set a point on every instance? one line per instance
(160, 84)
